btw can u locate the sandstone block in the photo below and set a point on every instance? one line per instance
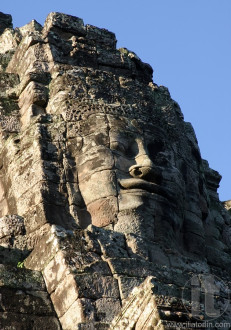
(136, 221)
(137, 246)
(20, 321)
(103, 211)
(127, 284)
(98, 118)
(112, 244)
(33, 26)
(11, 225)
(25, 59)
(8, 41)
(227, 205)
(34, 217)
(106, 309)
(18, 278)
(64, 22)
(130, 267)
(215, 257)
(25, 302)
(90, 287)
(64, 295)
(157, 255)
(55, 271)
(113, 59)
(34, 93)
(98, 185)
(73, 316)
(103, 37)
(45, 250)
(99, 159)
(5, 21)
(74, 195)
(36, 76)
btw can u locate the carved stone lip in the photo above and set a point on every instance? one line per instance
(151, 187)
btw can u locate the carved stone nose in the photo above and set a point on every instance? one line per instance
(137, 171)
(142, 167)
(145, 169)
(146, 173)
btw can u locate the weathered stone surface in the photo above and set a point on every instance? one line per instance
(103, 212)
(227, 205)
(9, 114)
(18, 301)
(34, 93)
(33, 26)
(64, 22)
(145, 308)
(24, 279)
(9, 40)
(92, 188)
(74, 315)
(102, 188)
(24, 302)
(106, 309)
(91, 288)
(23, 321)
(64, 295)
(5, 21)
(111, 243)
(127, 284)
(30, 56)
(11, 225)
(13, 241)
(55, 272)
(72, 278)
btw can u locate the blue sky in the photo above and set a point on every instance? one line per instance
(188, 44)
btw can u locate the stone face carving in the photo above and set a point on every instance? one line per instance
(122, 167)
(102, 186)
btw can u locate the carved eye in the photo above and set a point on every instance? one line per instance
(117, 146)
(129, 151)
(132, 150)
(155, 148)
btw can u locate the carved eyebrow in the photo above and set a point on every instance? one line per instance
(117, 144)
(124, 135)
(119, 139)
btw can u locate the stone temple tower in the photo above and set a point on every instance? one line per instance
(109, 217)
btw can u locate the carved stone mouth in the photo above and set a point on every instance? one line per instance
(151, 187)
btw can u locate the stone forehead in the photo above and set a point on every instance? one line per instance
(146, 116)
(86, 91)
(115, 122)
